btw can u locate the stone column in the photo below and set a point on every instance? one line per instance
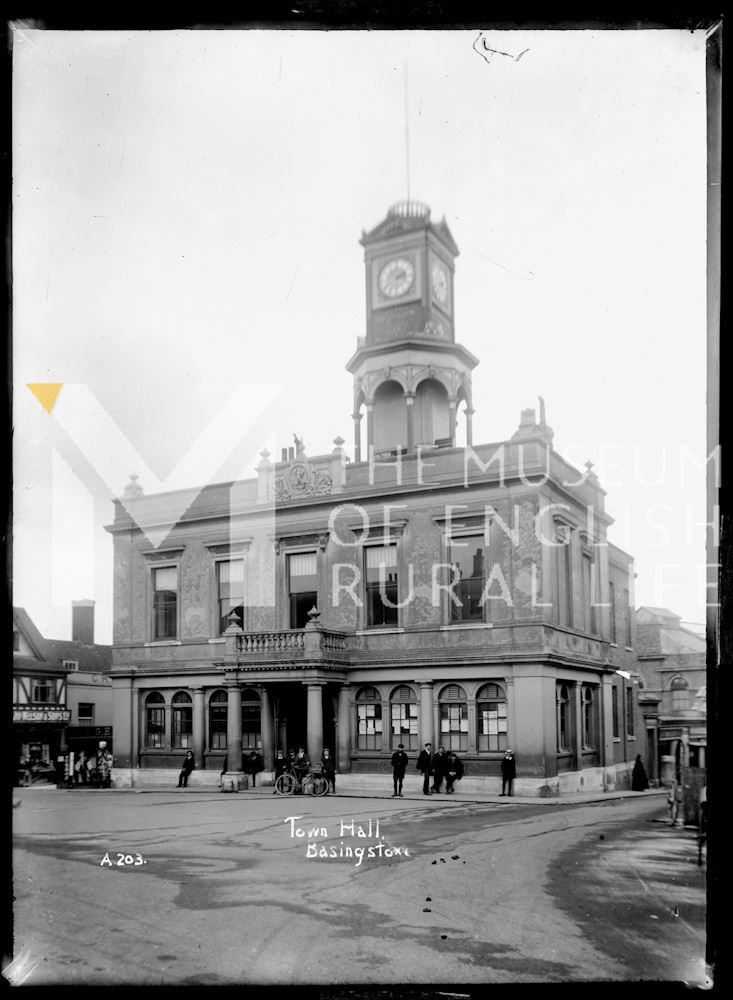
(426, 713)
(605, 712)
(452, 408)
(469, 430)
(122, 722)
(357, 437)
(578, 724)
(135, 727)
(410, 419)
(315, 720)
(343, 730)
(234, 728)
(266, 728)
(370, 428)
(199, 726)
(534, 737)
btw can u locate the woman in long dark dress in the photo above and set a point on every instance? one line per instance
(639, 780)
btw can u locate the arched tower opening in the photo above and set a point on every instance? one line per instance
(431, 414)
(389, 418)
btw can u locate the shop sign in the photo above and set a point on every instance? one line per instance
(41, 715)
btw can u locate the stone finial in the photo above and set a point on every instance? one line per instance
(133, 488)
(299, 446)
(313, 617)
(265, 456)
(590, 476)
(234, 627)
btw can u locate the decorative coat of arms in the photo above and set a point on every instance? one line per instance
(300, 480)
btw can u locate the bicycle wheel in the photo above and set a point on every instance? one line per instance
(315, 785)
(285, 784)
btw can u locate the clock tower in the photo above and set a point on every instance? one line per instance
(410, 376)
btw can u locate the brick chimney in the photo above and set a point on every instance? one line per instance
(82, 622)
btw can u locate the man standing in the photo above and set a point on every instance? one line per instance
(439, 766)
(425, 767)
(508, 773)
(104, 766)
(281, 765)
(301, 764)
(253, 765)
(399, 766)
(186, 768)
(328, 769)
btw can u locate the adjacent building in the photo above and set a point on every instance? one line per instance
(62, 690)
(430, 590)
(673, 689)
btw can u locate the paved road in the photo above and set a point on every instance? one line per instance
(224, 891)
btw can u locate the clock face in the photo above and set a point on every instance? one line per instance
(396, 277)
(440, 284)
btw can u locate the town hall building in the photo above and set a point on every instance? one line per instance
(464, 595)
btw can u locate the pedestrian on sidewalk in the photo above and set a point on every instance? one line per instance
(508, 773)
(399, 766)
(281, 765)
(439, 765)
(454, 772)
(253, 765)
(104, 766)
(188, 765)
(639, 780)
(425, 767)
(328, 767)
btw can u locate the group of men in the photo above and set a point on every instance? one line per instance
(300, 764)
(439, 767)
(435, 768)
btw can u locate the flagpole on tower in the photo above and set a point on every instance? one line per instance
(407, 134)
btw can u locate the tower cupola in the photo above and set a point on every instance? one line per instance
(410, 375)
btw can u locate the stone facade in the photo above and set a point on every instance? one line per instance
(463, 596)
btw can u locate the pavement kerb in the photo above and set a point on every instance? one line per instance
(355, 793)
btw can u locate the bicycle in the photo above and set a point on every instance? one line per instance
(313, 783)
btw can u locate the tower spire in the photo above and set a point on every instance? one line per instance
(407, 133)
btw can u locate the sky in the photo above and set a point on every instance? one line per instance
(187, 208)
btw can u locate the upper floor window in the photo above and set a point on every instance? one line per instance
(86, 713)
(404, 717)
(381, 585)
(680, 694)
(612, 609)
(468, 560)
(16, 640)
(590, 590)
(627, 605)
(563, 579)
(629, 711)
(155, 720)
(368, 719)
(230, 592)
(453, 718)
(70, 664)
(492, 717)
(165, 602)
(302, 587)
(43, 691)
